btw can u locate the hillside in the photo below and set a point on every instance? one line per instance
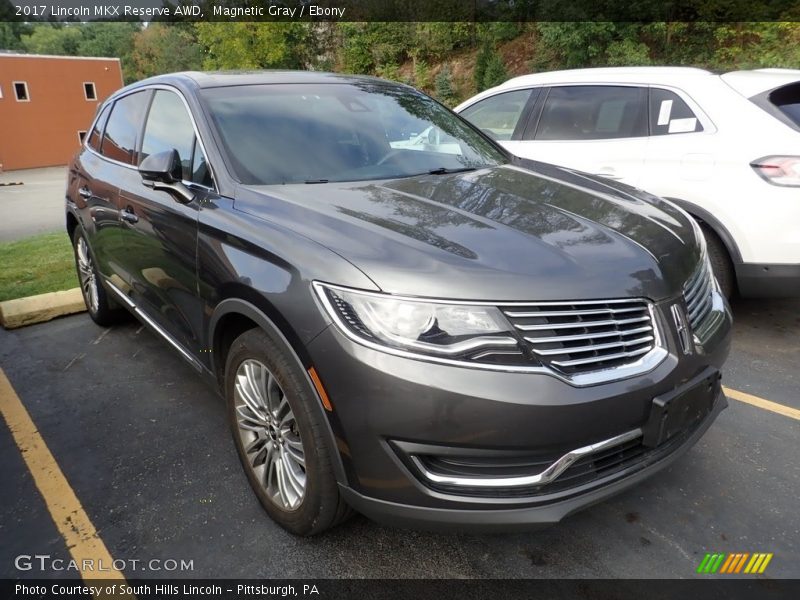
(515, 54)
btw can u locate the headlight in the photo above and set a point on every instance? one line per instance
(426, 327)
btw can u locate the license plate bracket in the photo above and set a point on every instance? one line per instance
(677, 411)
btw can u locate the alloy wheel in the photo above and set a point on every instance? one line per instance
(269, 434)
(87, 276)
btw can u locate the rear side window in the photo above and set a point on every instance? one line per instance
(122, 130)
(97, 130)
(498, 116)
(670, 114)
(593, 112)
(169, 127)
(787, 100)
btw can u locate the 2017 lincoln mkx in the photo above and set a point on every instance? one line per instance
(402, 318)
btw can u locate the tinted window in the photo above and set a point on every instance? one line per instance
(275, 134)
(787, 100)
(593, 112)
(122, 130)
(200, 172)
(498, 116)
(169, 127)
(97, 130)
(670, 114)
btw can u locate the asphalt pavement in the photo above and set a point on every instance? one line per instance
(144, 445)
(35, 206)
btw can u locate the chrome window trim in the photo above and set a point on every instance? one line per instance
(645, 364)
(547, 476)
(169, 88)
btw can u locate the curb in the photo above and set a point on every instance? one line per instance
(41, 308)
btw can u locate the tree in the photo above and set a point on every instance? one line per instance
(438, 40)
(445, 92)
(238, 45)
(481, 62)
(53, 39)
(115, 40)
(364, 47)
(11, 33)
(165, 48)
(422, 74)
(496, 72)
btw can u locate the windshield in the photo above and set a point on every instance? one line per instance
(309, 133)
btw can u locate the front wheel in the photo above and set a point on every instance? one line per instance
(279, 436)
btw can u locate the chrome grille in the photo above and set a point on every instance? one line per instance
(578, 337)
(697, 294)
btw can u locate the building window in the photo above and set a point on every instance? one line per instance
(21, 91)
(81, 137)
(89, 91)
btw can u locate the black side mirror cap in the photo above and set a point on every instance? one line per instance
(163, 171)
(164, 167)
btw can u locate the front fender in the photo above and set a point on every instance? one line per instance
(244, 308)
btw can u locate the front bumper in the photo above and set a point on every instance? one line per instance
(388, 407)
(516, 519)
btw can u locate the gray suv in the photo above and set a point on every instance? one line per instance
(402, 318)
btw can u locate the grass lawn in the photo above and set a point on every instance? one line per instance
(35, 265)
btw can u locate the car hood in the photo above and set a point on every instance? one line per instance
(517, 232)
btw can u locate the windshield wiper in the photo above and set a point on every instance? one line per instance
(446, 171)
(315, 181)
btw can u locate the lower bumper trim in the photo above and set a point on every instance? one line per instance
(767, 280)
(516, 519)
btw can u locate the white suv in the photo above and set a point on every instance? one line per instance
(726, 148)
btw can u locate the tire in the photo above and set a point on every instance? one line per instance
(720, 261)
(266, 391)
(101, 308)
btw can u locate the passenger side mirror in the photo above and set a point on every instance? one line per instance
(163, 171)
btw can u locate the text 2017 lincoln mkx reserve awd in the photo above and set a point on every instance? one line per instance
(403, 318)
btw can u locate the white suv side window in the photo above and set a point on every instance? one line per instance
(498, 115)
(670, 114)
(593, 112)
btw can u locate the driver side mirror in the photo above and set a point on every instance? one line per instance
(163, 171)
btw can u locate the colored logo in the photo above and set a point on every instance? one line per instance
(741, 562)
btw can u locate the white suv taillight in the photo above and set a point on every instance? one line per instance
(779, 170)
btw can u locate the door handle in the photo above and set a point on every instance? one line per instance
(85, 192)
(127, 215)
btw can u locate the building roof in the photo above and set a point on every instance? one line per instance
(7, 54)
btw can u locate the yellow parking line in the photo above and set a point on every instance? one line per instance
(786, 411)
(68, 515)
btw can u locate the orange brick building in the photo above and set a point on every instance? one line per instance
(47, 104)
